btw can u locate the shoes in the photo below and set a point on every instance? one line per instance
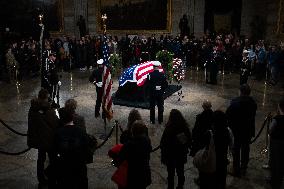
(83, 69)
(97, 115)
(197, 181)
(160, 122)
(152, 122)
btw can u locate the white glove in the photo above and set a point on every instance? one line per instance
(59, 83)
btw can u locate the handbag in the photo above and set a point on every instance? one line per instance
(120, 175)
(205, 159)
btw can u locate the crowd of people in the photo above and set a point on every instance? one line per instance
(215, 53)
(63, 137)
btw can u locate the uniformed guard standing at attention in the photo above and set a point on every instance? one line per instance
(157, 84)
(97, 79)
(50, 78)
(245, 68)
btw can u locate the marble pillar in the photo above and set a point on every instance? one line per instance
(199, 12)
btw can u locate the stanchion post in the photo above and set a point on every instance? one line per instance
(265, 151)
(116, 132)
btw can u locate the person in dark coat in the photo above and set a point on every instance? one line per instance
(42, 123)
(157, 85)
(97, 79)
(175, 142)
(276, 132)
(71, 147)
(137, 153)
(203, 123)
(222, 141)
(241, 118)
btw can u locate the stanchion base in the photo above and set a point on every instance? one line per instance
(265, 166)
(103, 137)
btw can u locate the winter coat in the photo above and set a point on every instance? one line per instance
(42, 122)
(175, 143)
(241, 118)
(276, 148)
(202, 125)
(137, 153)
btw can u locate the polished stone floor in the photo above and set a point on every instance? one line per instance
(20, 171)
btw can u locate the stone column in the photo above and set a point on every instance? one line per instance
(68, 17)
(199, 18)
(247, 14)
(92, 16)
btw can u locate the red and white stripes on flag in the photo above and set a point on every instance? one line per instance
(143, 70)
(107, 82)
(107, 93)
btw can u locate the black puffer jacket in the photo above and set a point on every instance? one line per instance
(42, 122)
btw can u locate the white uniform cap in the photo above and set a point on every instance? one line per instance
(100, 61)
(245, 51)
(156, 63)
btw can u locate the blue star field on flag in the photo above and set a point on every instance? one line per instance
(105, 52)
(128, 76)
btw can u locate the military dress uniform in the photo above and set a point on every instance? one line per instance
(50, 79)
(157, 84)
(245, 68)
(97, 79)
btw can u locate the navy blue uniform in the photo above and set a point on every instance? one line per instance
(97, 79)
(157, 84)
(245, 68)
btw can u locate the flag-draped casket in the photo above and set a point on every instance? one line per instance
(133, 82)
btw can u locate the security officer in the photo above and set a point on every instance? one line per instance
(245, 68)
(50, 79)
(157, 85)
(97, 79)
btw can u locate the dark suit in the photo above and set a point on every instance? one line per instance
(157, 84)
(97, 77)
(241, 117)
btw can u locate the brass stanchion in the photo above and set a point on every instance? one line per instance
(265, 151)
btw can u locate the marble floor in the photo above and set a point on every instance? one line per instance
(20, 171)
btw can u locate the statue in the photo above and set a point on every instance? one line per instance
(183, 26)
(82, 26)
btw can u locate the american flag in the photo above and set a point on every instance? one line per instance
(107, 82)
(137, 73)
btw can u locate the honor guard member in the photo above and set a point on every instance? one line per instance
(50, 79)
(245, 68)
(157, 84)
(214, 66)
(97, 79)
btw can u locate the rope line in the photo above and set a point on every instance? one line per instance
(14, 153)
(109, 135)
(11, 129)
(267, 119)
